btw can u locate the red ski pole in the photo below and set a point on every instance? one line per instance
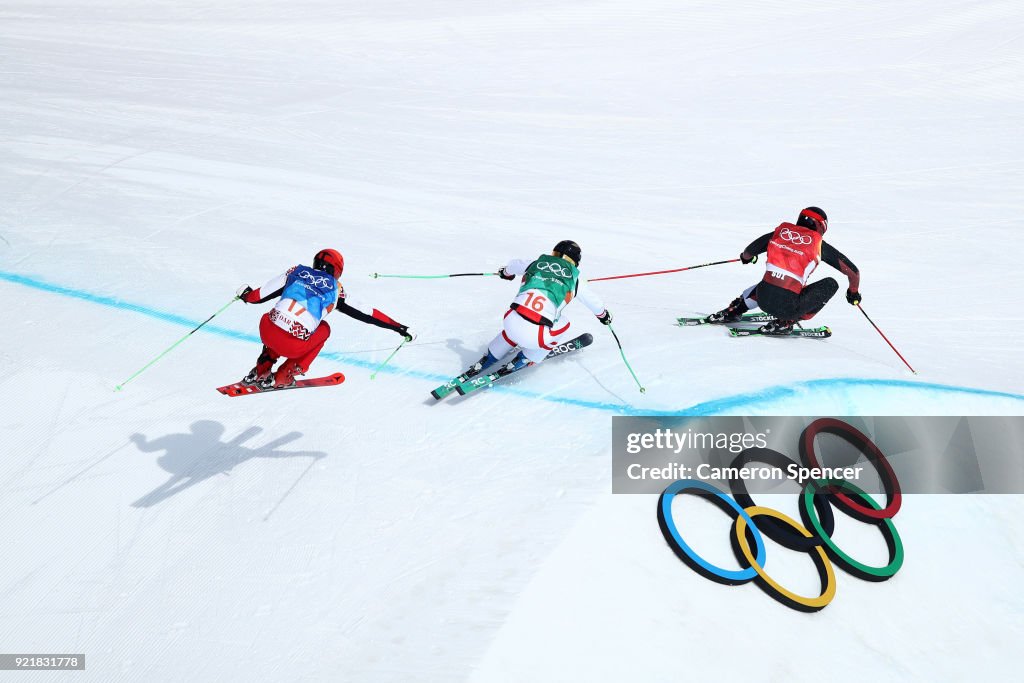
(661, 272)
(886, 339)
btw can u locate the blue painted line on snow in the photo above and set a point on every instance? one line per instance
(782, 392)
(735, 403)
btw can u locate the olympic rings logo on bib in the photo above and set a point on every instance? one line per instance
(315, 280)
(554, 268)
(813, 536)
(794, 237)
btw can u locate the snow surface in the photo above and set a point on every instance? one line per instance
(155, 155)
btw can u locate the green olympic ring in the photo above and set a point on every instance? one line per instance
(842, 559)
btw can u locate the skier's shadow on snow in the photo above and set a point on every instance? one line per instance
(194, 457)
(466, 355)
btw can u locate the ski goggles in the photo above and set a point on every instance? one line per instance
(817, 218)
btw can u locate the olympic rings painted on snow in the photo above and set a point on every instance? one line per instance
(867, 448)
(814, 536)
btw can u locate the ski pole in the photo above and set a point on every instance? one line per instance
(628, 366)
(430, 277)
(388, 359)
(886, 339)
(662, 272)
(175, 344)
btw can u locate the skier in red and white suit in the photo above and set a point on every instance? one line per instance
(794, 251)
(295, 328)
(533, 322)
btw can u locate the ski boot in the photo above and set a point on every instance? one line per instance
(730, 313)
(284, 377)
(476, 368)
(779, 328)
(264, 368)
(517, 363)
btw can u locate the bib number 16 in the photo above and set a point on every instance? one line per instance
(536, 302)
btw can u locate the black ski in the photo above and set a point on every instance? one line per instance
(759, 317)
(811, 332)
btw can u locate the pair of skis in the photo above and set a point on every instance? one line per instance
(463, 384)
(466, 383)
(245, 389)
(758, 318)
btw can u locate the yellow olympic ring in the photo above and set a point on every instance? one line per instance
(825, 571)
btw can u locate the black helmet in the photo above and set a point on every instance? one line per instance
(569, 249)
(813, 218)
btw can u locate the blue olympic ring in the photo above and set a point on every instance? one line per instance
(687, 554)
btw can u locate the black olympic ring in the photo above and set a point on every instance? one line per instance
(780, 532)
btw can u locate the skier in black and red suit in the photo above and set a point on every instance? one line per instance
(794, 251)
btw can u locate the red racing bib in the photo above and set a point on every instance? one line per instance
(793, 254)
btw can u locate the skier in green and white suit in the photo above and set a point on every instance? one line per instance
(532, 322)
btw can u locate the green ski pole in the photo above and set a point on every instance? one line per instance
(628, 366)
(388, 359)
(170, 348)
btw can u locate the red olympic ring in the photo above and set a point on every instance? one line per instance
(894, 498)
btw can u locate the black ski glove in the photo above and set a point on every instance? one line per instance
(853, 297)
(606, 317)
(243, 291)
(505, 276)
(406, 332)
(747, 258)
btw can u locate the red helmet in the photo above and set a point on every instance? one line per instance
(329, 261)
(813, 218)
